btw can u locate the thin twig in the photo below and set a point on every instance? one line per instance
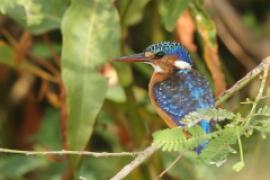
(258, 97)
(170, 166)
(66, 152)
(136, 162)
(241, 83)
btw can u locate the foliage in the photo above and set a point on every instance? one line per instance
(219, 141)
(59, 89)
(31, 9)
(24, 165)
(80, 76)
(170, 11)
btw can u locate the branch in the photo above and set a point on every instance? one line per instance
(65, 152)
(246, 79)
(170, 166)
(136, 162)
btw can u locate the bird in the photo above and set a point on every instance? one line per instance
(175, 88)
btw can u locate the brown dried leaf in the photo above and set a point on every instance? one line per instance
(207, 31)
(185, 28)
(213, 63)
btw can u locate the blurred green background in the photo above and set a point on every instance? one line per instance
(59, 90)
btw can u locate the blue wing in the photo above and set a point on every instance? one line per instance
(183, 92)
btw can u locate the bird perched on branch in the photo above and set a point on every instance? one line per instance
(175, 89)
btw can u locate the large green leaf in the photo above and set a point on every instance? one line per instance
(170, 10)
(91, 34)
(32, 9)
(38, 16)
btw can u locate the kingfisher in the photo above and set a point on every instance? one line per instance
(175, 88)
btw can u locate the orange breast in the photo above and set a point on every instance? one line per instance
(157, 77)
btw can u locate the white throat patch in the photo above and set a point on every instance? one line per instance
(182, 64)
(157, 68)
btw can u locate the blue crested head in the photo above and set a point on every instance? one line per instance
(165, 57)
(170, 48)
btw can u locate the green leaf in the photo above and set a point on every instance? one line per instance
(51, 12)
(198, 136)
(6, 54)
(219, 147)
(42, 50)
(116, 93)
(238, 166)
(169, 139)
(5, 4)
(170, 11)
(176, 140)
(49, 134)
(24, 164)
(205, 24)
(94, 168)
(131, 12)
(212, 113)
(90, 37)
(32, 9)
(263, 111)
(124, 72)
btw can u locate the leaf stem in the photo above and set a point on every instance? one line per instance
(240, 148)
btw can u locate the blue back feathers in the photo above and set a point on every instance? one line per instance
(183, 92)
(171, 48)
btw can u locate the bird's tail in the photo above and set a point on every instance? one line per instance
(207, 127)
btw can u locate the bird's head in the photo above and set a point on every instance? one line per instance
(164, 57)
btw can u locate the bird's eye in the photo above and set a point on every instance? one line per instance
(159, 54)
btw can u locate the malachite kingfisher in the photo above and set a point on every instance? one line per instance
(175, 88)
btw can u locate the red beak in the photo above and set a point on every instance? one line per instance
(140, 57)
